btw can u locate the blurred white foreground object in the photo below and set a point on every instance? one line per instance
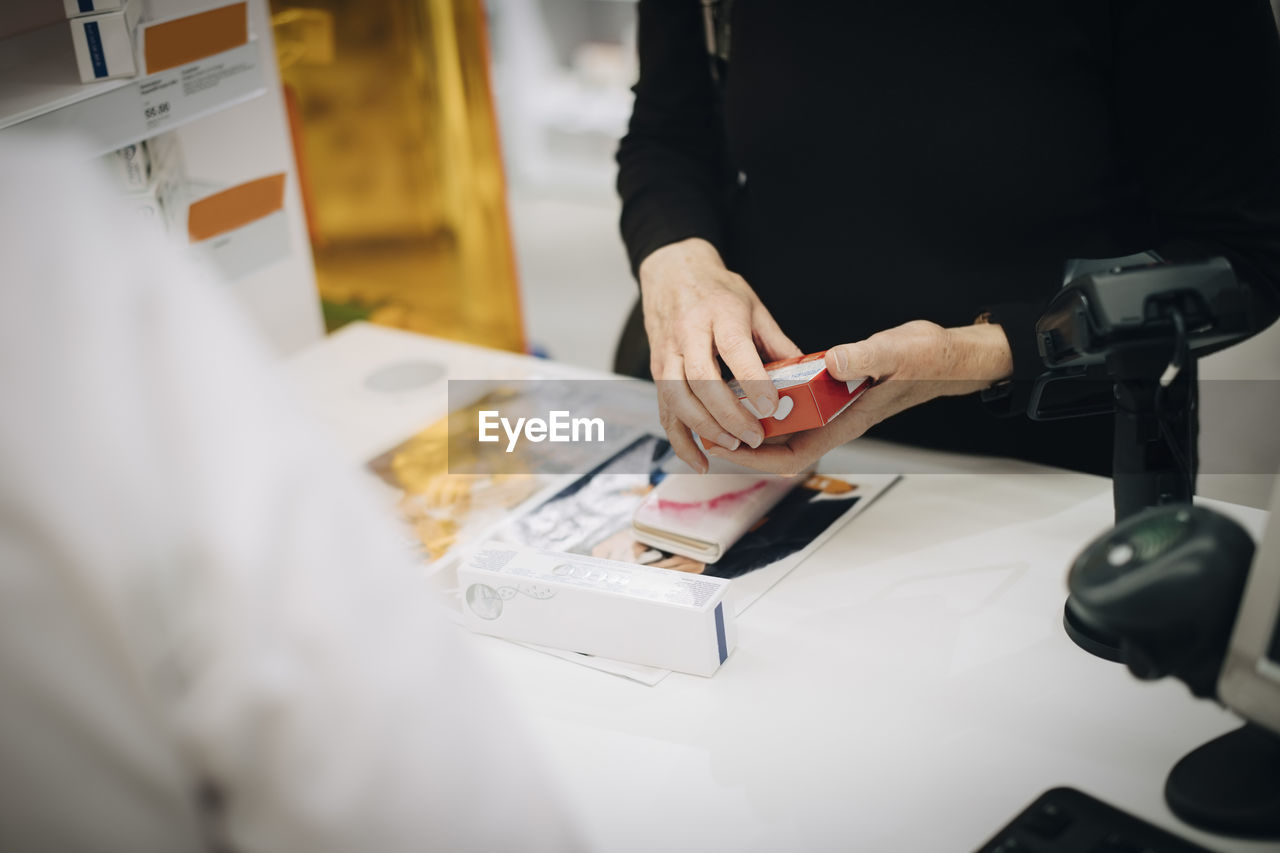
(208, 635)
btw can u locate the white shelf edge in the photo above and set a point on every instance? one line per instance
(112, 114)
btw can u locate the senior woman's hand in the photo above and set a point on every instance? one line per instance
(694, 310)
(912, 363)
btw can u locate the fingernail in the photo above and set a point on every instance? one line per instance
(764, 406)
(753, 437)
(842, 360)
(727, 441)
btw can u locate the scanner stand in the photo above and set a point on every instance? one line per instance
(1230, 785)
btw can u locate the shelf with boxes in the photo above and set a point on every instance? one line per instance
(195, 132)
(236, 230)
(182, 78)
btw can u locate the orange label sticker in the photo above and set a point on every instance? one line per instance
(240, 205)
(190, 39)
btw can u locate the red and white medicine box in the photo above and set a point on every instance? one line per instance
(808, 396)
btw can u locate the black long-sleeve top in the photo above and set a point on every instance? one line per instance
(880, 161)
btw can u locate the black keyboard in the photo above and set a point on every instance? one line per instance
(1064, 820)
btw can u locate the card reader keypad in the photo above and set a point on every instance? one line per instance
(1064, 820)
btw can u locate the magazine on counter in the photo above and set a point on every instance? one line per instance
(445, 510)
(593, 516)
(534, 499)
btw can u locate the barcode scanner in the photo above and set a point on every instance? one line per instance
(1166, 584)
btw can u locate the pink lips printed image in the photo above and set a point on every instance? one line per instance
(725, 501)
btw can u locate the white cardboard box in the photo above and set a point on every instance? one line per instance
(640, 614)
(104, 43)
(162, 198)
(76, 8)
(130, 167)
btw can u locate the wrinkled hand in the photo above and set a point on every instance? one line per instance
(911, 364)
(694, 310)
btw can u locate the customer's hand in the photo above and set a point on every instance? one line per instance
(694, 310)
(911, 364)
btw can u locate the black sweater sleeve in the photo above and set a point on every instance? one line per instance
(670, 163)
(1195, 91)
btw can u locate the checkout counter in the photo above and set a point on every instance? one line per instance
(909, 687)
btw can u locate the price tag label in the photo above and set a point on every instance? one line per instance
(169, 98)
(158, 95)
(158, 112)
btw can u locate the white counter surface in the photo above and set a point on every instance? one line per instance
(907, 688)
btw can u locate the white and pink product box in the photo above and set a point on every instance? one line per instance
(628, 612)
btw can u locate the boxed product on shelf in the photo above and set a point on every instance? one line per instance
(76, 8)
(161, 195)
(130, 167)
(104, 43)
(241, 228)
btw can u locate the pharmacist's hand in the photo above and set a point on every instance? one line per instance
(911, 364)
(694, 310)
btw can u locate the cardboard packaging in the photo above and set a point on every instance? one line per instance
(808, 396)
(153, 179)
(702, 516)
(104, 43)
(76, 8)
(130, 167)
(161, 203)
(640, 614)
